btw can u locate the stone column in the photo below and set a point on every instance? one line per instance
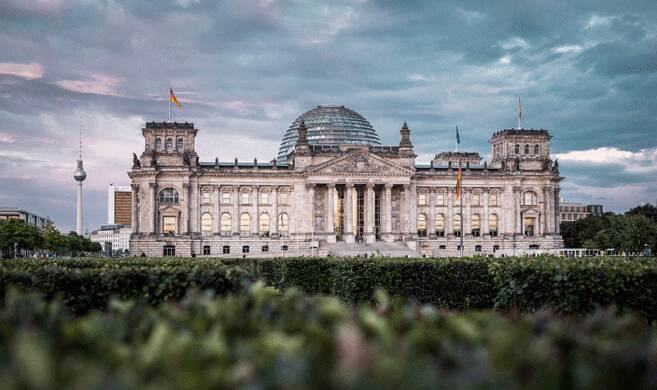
(154, 208)
(431, 221)
(557, 213)
(216, 219)
(387, 233)
(135, 208)
(236, 211)
(348, 235)
(484, 218)
(466, 218)
(330, 205)
(186, 208)
(273, 221)
(255, 227)
(449, 229)
(369, 213)
(412, 211)
(405, 212)
(517, 214)
(311, 208)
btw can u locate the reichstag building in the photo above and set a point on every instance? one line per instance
(335, 190)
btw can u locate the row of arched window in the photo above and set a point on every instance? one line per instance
(527, 150)
(440, 225)
(168, 144)
(226, 224)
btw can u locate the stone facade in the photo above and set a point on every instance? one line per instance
(328, 195)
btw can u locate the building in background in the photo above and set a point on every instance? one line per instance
(335, 190)
(119, 205)
(117, 235)
(9, 213)
(571, 211)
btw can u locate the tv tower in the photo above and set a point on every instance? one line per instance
(79, 176)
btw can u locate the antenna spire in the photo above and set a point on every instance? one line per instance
(80, 152)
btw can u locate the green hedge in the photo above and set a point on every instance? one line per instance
(261, 339)
(568, 285)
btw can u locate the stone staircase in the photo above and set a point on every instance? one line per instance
(385, 249)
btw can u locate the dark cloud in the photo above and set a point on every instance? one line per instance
(587, 71)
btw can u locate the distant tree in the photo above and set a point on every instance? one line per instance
(639, 231)
(20, 233)
(646, 210)
(53, 240)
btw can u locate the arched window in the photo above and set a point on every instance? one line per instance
(422, 225)
(206, 224)
(283, 224)
(264, 224)
(475, 225)
(440, 225)
(245, 224)
(168, 195)
(536, 150)
(440, 199)
(517, 149)
(492, 225)
(456, 225)
(526, 149)
(492, 199)
(169, 145)
(158, 143)
(529, 199)
(226, 224)
(179, 145)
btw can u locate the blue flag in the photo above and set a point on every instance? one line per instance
(458, 138)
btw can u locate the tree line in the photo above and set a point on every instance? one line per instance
(631, 232)
(21, 239)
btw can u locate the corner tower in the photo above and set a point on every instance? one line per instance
(521, 149)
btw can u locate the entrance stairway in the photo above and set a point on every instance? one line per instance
(380, 248)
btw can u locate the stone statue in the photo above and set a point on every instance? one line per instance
(153, 160)
(546, 165)
(216, 162)
(503, 165)
(485, 165)
(555, 167)
(186, 159)
(197, 162)
(136, 164)
(516, 163)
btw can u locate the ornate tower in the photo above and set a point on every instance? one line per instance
(79, 176)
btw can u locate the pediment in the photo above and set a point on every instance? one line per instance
(359, 163)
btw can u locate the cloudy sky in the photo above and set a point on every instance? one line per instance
(586, 70)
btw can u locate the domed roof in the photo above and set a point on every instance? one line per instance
(329, 125)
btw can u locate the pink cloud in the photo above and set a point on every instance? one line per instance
(6, 138)
(29, 71)
(98, 84)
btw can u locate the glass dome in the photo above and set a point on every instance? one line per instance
(329, 125)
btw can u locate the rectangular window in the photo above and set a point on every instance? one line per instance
(225, 197)
(206, 249)
(265, 248)
(284, 248)
(474, 200)
(244, 198)
(169, 225)
(440, 199)
(264, 198)
(225, 249)
(206, 196)
(169, 250)
(282, 197)
(422, 199)
(245, 249)
(492, 200)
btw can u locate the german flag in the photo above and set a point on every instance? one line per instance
(458, 183)
(173, 99)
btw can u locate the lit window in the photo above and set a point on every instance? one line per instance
(264, 224)
(244, 198)
(422, 225)
(283, 224)
(492, 200)
(168, 195)
(206, 196)
(474, 199)
(492, 225)
(169, 225)
(226, 223)
(282, 198)
(422, 199)
(225, 197)
(206, 224)
(440, 225)
(529, 226)
(440, 199)
(456, 225)
(475, 225)
(264, 198)
(245, 224)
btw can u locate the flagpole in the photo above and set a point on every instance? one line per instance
(169, 100)
(519, 113)
(461, 209)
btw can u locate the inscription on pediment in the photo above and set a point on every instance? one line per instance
(360, 164)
